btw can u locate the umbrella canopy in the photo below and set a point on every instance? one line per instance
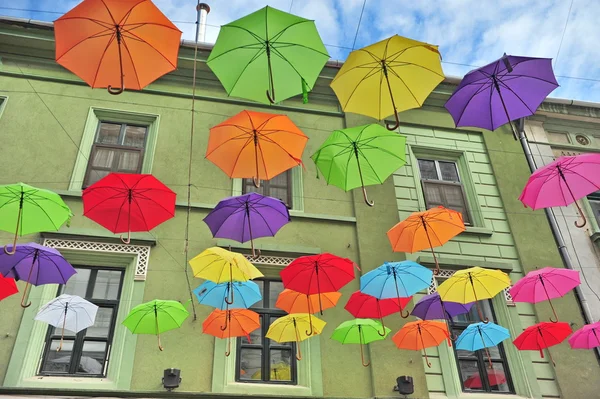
(246, 217)
(231, 323)
(473, 284)
(431, 307)
(256, 145)
(544, 285)
(543, 335)
(388, 77)
(587, 337)
(156, 317)
(117, 44)
(481, 336)
(562, 183)
(495, 377)
(268, 51)
(428, 229)
(69, 312)
(220, 265)
(294, 328)
(507, 89)
(279, 372)
(8, 287)
(292, 301)
(26, 210)
(37, 265)
(361, 305)
(421, 334)
(123, 202)
(360, 331)
(247, 293)
(360, 156)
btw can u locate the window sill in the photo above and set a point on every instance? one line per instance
(269, 389)
(465, 395)
(482, 231)
(68, 382)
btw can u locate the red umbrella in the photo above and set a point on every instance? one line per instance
(365, 306)
(543, 335)
(495, 377)
(128, 202)
(317, 274)
(8, 287)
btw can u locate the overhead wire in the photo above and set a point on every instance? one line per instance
(562, 37)
(359, 21)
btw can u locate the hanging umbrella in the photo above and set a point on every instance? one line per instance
(8, 287)
(124, 202)
(317, 274)
(37, 265)
(280, 371)
(128, 43)
(247, 293)
(268, 50)
(563, 182)
(361, 305)
(156, 317)
(431, 307)
(360, 156)
(294, 328)
(246, 217)
(421, 334)
(256, 145)
(231, 323)
(360, 331)
(68, 312)
(428, 229)
(292, 301)
(396, 280)
(26, 210)
(388, 77)
(507, 89)
(472, 285)
(587, 337)
(481, 336)
(544, 285)
(495, 377)
(543, 335)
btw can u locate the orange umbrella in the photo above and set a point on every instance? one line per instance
(128, 43)
(231, 323)
(421, 334)
(429, 229)
(256, 145)
(296, 302)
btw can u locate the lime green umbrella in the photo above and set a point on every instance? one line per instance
(360, 156)
(156, 317)
(25, 210)
(268, 51)
(360, 331)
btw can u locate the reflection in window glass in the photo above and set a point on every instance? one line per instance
(427, 169)
(107, 284)
(78, 283)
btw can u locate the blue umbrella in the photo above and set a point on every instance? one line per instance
(246, 294)
(396, 280)
(481, 336)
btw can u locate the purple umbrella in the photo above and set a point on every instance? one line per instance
(431, 307)
(246, 217)
(507, 89)
(37, 265)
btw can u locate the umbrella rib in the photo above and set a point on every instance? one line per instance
(480, 90)
(516, 95)
(149, 45)
(140, 24)
(42, 209)
(131, 57)
(239, 155)
(135, 201)
(243, 136)
(144, 197)
(115, 196)
(110, 41)
(370, 166)
(109, 13)
(254, 58)
(299, 45)
(405, 85)
(246, 46)
(97, 21)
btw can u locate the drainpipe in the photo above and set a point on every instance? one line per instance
(202, 9)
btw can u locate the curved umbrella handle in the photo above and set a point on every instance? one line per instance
(25, 305)
(256, 181)
(14, 247)
(114, 91)
(427, 359)
(362, 357)
(370, 203)
(311, 326)
(227, 298)
(382, 334)
(255, 252)
(128, 240)
(583, 218)
(223, 328)
(271, 98)
(14, 250)
(120, 90)
(403, 316)
(395, 125)
(228, 351)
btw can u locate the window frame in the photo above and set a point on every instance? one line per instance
(266, 185)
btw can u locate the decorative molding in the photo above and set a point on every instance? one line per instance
(446, 273)
(268, 260)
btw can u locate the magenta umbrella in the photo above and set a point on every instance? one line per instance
(587, 337)
(563, 182)
(544, 285)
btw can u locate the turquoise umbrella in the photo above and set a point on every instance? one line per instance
(247, 293)
(481, 336)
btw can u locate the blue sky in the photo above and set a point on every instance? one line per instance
(472, 32)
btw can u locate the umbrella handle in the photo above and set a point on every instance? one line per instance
(223, 328)
(14, 247)
(382, 334)
(395, 125)
(256, 181)
(370, 203)
(62, 334)
(128, 240)
(362, 355)
(120, 90)
(479, 312)
(255, 252)
(436, 271)
(427, 359)
(298, 350)
(387, 79)
(311, 332)
(25, 305)
(583, 218)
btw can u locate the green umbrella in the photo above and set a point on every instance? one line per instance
(360, 156)
(25, 210)
(360, 331)
(267, 50)
(156, 317)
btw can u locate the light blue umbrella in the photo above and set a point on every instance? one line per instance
(396, 280)
(246, 294)
(481, 336)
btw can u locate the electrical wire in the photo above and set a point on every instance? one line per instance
(358, 26)
(562, 37)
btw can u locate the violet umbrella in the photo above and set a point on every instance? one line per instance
(246, 217)
(587, 337)
(431, 307)
(509, 88)
(37, 265)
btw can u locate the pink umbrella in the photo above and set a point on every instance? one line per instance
(587, 337)
(545, 284)
(563, 182)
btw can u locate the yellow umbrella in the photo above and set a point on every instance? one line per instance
(388, 77)
(294, 328)
(472, 285)
(279, 372)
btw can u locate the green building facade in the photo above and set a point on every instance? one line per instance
(53, 127)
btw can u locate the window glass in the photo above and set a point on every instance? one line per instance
(449, 171)
(135, 136)
(427, 169)
(78, 283)
(277, 187)
(107, 284)
(109, 133)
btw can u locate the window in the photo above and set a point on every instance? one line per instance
(261, 359)
(279, 186)
(442, 186)
(473, 367)
(594, 200)
(118, 147)
(86, 353)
